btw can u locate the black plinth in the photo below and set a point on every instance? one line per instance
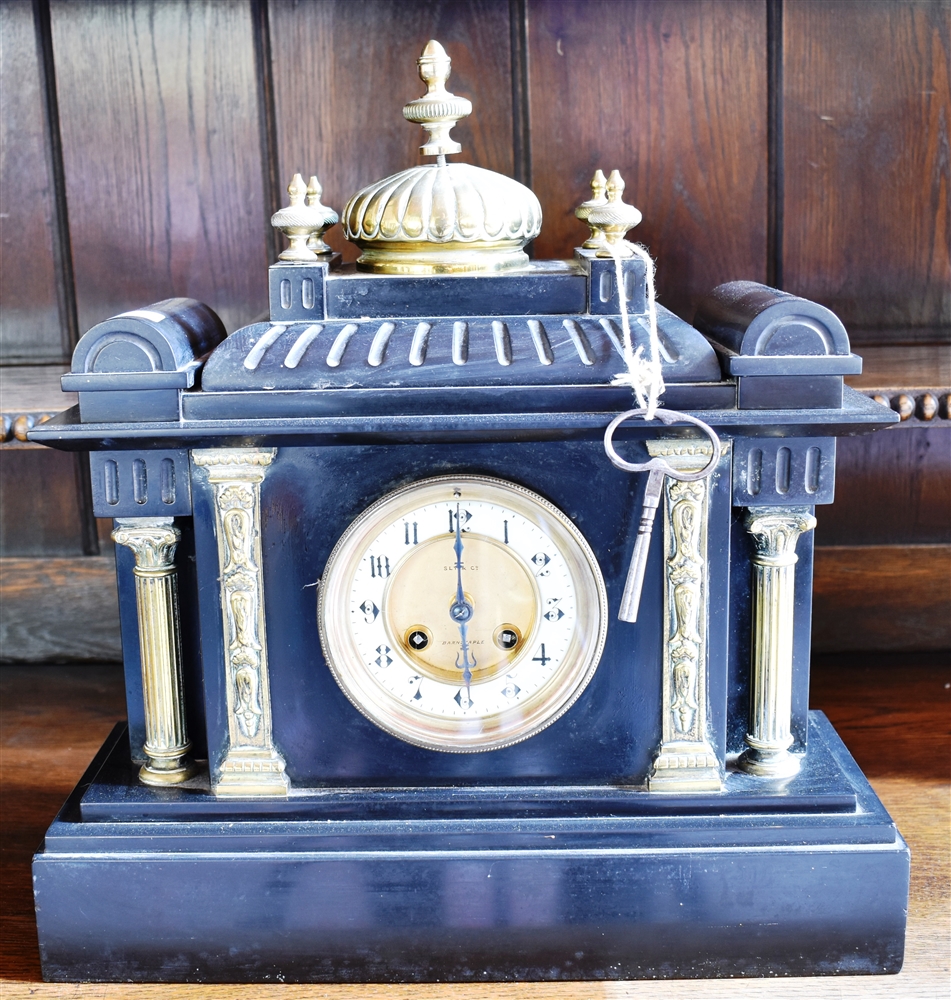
(474, 884)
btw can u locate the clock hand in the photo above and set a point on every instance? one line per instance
(466, 663)
(461, 612)
(457, 548)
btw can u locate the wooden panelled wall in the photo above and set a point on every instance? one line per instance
(799, 142)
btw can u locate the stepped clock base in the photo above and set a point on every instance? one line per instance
(475, 884)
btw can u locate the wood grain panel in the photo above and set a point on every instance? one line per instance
(891, 712)
(161, 149)
(881, 727)
(39, 512)
(882, 597)
(903, 366)
(30, 394)
(59, 610)
(44, 752)
(34, 388)
(31, 329)
(893, 487)
(343, 69)
(867, 165)
(674, 96)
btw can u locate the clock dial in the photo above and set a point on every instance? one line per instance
(462, 613)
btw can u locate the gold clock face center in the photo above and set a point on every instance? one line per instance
(498, 586)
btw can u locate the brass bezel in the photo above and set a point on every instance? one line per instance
(453, 735)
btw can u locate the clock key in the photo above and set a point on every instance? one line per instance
(631, 598)
(658, 470)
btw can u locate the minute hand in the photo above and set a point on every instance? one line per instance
(461, 612)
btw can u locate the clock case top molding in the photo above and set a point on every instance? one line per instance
(659, 827)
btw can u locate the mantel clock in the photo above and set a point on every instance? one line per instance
(413, 693)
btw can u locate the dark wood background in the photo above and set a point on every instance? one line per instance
(799, 142)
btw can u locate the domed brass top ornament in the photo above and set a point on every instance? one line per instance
(441, 218)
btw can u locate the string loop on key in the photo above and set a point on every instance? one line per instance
(658, 469)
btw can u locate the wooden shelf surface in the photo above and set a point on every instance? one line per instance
(892, 710)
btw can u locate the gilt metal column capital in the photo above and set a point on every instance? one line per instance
(153, 540)
(776, 532)
(245, 464)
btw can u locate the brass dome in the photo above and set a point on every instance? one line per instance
(441, 218)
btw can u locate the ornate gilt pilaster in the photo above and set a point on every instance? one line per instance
(685, 761)
(153, 540)
(775, 532)
(252, 764)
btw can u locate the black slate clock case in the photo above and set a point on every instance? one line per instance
(607, 736)
(548, 859)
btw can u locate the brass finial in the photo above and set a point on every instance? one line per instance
(315, 241)
(613, 219)
(598, 184)
(299, 222)
(437, 110)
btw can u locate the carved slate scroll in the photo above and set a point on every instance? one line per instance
(252, 764)
(685, 760)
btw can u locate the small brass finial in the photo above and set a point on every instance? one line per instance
(437, 110)
(315, 241)
(598, 185)
(613, 219)
(299, 222)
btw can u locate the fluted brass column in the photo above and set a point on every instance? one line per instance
(153, 540)
(775, 531)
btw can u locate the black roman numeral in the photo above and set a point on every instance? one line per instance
(379, 566)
